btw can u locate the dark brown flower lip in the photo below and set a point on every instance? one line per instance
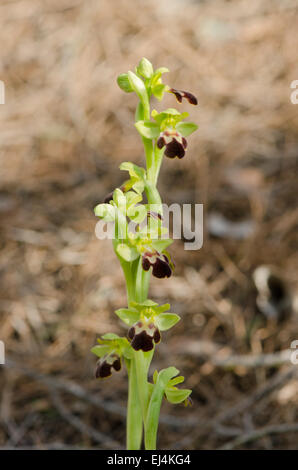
(174, 149)
(143, 336)
(174, 142)
(105, 364)
(180, 94)
(160, 264)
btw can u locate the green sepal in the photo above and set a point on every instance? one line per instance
(186, 128)
(176, 395)
(109, 336)
(165, 321)
(162, 244)
(148, 129)
(101, 350)
(128, 316)
(158, 72)
(146, 304)
(159, 91)
(170, 117)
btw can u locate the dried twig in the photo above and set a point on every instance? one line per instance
(259, 433)
(80, 425)
(273, 384)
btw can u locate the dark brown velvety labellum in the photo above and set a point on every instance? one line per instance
(159, 262)
(161, 268)
(117, 364)
(103, 370)
(161, 142)
(144, 336)
(146, 264)
(174, 149)
(184, 94)
(142, 341)
(131, 332)
(105, 364)
(157, 336)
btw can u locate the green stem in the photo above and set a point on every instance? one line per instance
(150, 162)
(134, 423)
(158, 156)
(142, 279)
(141, 373)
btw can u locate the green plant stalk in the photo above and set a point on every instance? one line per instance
(134, 421)
(141, 373)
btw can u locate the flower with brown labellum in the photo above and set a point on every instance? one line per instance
(180, 94)
(159, 262)
(105, 364)
(174, 142)
(144, 335)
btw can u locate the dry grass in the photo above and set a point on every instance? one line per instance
(65, 128)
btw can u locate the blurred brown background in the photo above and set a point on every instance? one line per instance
(65, 128)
